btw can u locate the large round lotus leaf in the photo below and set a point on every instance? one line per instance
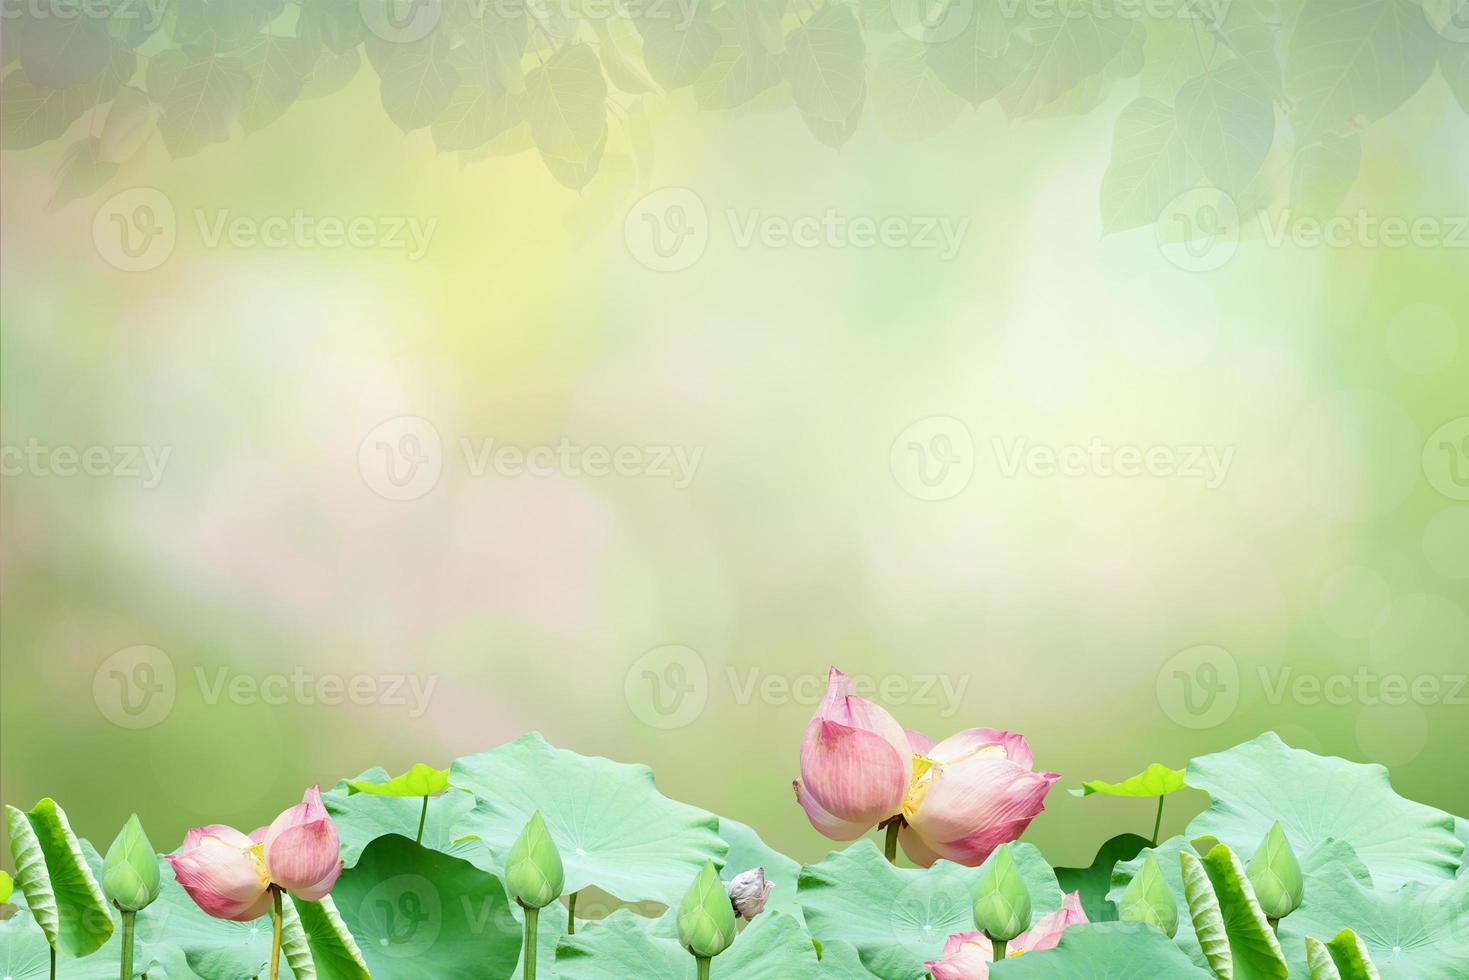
(898, 919)
(611, 825)
(1318, 799)
(1156, 780)
(773, 947)
(1417, 932)
(416, 912)
(1103, 951)
(1093, 883)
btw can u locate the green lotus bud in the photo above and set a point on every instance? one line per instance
(1149, 901)
(706, 919)
(1002, 903)
(130, 873)
(1276, 876)
(533, 873)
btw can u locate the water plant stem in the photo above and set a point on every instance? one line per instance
(890, 846)
(275, 941)
(530, 942)
(1158, 823)
(571, 915)
(422, 819)
(702, 964)
(127, 944)
(999, 949)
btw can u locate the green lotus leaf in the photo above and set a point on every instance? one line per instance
(60, 889)
(1344, 958)
(1418, 932)
(898, 918)
(1317, 799)
(333, 950)
(611, 825)
(1148, 900)
(7, 886)
(1156, 780)
(773, 947)
(1232, 930)
(417, 912)
(1094, 882)
(1103, 951)
(421, 780)
(362, 817)
(1461, 831)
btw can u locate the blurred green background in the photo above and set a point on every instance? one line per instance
(1114, 620)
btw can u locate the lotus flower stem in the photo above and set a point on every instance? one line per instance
(53, 963)
(127, 944)
(530, 942)
(1158, 824)
(275, 941)
(1000, 945)
(701, 964)
(571, 915)
(422, 819)
(890, 846)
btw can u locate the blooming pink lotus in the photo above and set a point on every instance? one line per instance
(968, 955)
(229, 874)
(958, 799)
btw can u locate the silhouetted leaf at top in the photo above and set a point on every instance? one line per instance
(1227, 120)
(202, 94)
(278, 68)
(1324, 173)
(82, 172)
(675, 53)
(744, 65)
(418, 80)
(983, 58)
(1150, 166)
(335, 23)
(824, 61)
(565, 103)
(1071, 44)
(1351, 64)
(231, 23)
(1453, 61)
(57, 51)
(486, 100)
(910, 101)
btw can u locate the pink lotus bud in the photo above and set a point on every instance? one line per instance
(856, 762)
(973, 792)
(224, 873)
(967, 956)
(1046, 933)
(748, 892)
(301, 848)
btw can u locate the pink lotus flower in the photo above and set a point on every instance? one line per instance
(229, 875)
(958, 799)
(967, 956)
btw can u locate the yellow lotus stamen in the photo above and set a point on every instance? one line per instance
(924, 769)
